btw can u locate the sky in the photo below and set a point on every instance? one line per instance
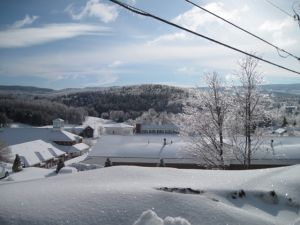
(92, 43)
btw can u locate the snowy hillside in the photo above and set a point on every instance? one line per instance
(155, 196)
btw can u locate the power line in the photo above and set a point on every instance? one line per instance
(146, 14)
(248, 32)
(285, 12)
(296, 16)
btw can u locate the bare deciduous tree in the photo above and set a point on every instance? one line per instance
(246, 111)
(204, 121)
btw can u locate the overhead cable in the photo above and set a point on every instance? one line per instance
(144, 13)
(248, 32)
(285, 12)
(296, 16)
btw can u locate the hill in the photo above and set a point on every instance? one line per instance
(25, 89)
(284, 89)
(130, 100)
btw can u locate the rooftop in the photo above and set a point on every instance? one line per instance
(13, 136)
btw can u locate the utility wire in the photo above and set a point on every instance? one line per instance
(285, 12)
(296, 16)
(248, 32)
(146, 14)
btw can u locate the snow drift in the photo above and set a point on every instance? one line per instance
(124, 195)
(150, 218)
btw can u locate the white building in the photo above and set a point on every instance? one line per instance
(157, 129)
(38, 146)
(37, 153)
(116, 129)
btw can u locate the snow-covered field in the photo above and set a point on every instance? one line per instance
(156, 196)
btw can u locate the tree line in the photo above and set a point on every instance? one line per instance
(37, 112)
(129, 102)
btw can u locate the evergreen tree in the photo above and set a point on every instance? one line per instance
(3, 120)
(107, 163)
(161, 163)
(60, 165)
(17, 166)
(284, 122)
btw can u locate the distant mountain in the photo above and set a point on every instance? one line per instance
(286, 89)
(26, 89)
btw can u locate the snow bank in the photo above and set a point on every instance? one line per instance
(150, 218)
(67, 169)
(118, 195)
(30, 173)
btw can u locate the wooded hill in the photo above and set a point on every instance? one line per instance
(117, 103)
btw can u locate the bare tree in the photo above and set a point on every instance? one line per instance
(204, 120)
(246, 111)
(5, 153)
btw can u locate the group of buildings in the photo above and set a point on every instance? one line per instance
(43, 147)
(123, 144)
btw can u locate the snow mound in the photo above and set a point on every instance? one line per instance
(119, 194)
(151, 218)
(85, 166)
(67, 169)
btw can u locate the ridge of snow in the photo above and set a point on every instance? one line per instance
(119, 195)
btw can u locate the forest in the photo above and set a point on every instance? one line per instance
(37, 112)
(116, 103)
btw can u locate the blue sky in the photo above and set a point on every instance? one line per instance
(63, 43)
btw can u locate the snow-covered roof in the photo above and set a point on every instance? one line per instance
(148, 148)
(140, 146)
(13, 136)
(74, 148)
(280, 130)
(158, 127)
(35, 152)
(58, 119)
(117, 125)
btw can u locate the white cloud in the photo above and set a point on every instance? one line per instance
(115, 63)
(94, 8)
(28, 20)
(186, 70)
(195, 17)
(132, 2)
(169, 37)
(87, 78)
(23, 37)
(276, 25)
(280, 31)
